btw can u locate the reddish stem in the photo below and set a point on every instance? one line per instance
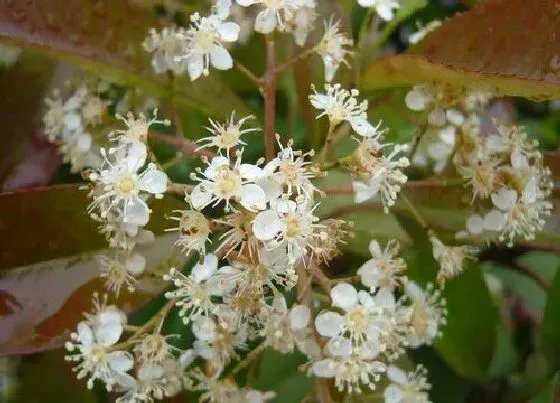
(185, 145)
(269, 100)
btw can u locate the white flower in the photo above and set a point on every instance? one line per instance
(359, 322)
(91, 345)
(219, 183)
(407, 387)
(385, 180)
(350, 367)
(340, 105)
(451, 259)
(421, 34)
(122, 271)
(218, 340)
(384, 8)
(226, 136)
(287, 225)
(304, 21)
(284, 328)
(122, 235)
(136, 129)
(168, 46)
(195, 291)
(194, 231)
(427, 315)
(332, 49)
(278, 14)
(121, 185)
(240, 234)
(384, 270)
(206, 39)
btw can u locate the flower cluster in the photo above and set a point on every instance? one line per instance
(510, 183)
(197, 47)
(372, 328)
(120, 188)
(69, 124)
(379, 176)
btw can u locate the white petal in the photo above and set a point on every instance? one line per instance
(153, 181)
(374, 248)
(150, 372)
(393, 394)
(504, 199)
(362, 192)
(136, 212)
(203, 271)
(229, 31)
(279, 304)
(195, 66)
(339, 347)
(265, 21)
(415, 100)
(384, 11)
(300, 315)
(494, 220)
(200, 198)
(223, 8)
(73, 121)
(220, 58)
(120, 361)
(344, 296)
(475, 224)
(329, 324)
(136, 155)
(267, 225)
(362, 127)
(414, 291)
(246, 3)
(136, 264)
(325, 368)
(250, 172)
(437, 117)
(108, 334)
(253, 197)
(204, 329)
(85, 335)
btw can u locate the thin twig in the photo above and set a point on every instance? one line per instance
(248, 73)
(326, 147)
(347, 188)
(417, 139)
(185, 145)
(287, 64)
(178, 188)
(417, 216)
(269, 99)
(146, 327)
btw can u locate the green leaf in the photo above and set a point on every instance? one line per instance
(510, 47)
(105, 38)
(470, 335)
(550, 328)
(405, 10)
(278, 372)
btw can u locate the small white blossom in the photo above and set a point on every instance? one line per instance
(220, 182)
(122, 184)
(428, 313)
(167, 46)
(350, 367)
(280, 15)
(206, 40)
(384, 270)
(136, 128)
(226, 136)
(451, 259)
(121, 271)
(340, 105)
(333, 49)
(385, 180)
(91, 347)
(194, 231)
(407, 387)
(194, 292)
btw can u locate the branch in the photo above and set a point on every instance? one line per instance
(287, 64)
(269, 99)
(185, 145)
(520, 268)
(248, 73)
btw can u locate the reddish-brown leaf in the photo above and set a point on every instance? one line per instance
(507, 46)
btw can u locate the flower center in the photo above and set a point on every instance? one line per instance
(293, 226)
(205, 40)
(126, 184)
(420, 319)
(358, 320)
(229, 138)
(228, 183)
